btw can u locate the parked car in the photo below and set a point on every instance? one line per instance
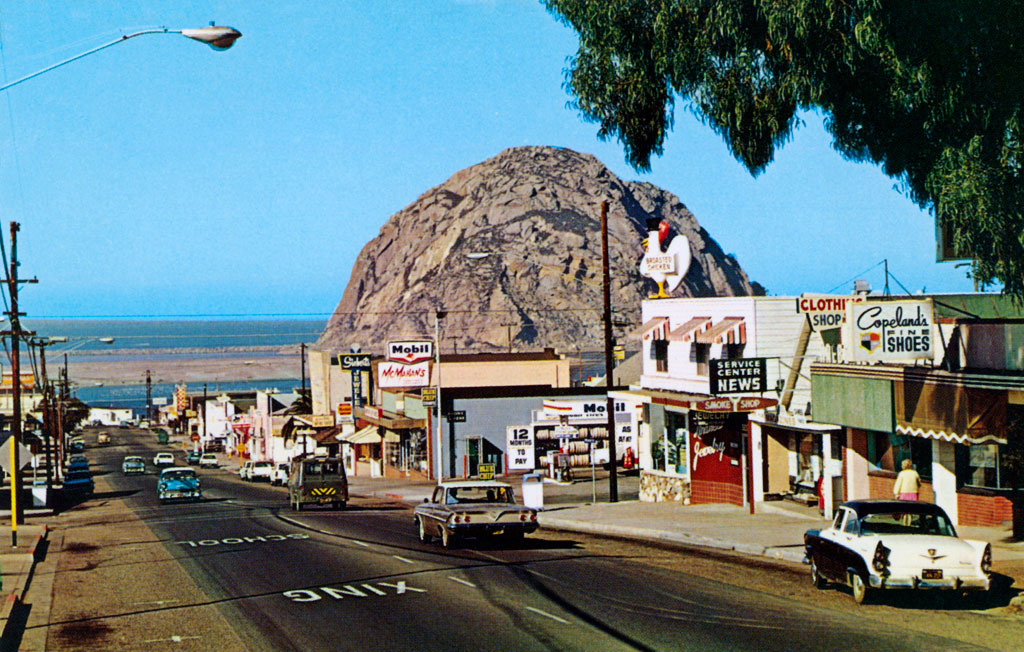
(162, 436)
(893, 544)
(317, 481)
(163, 459)
(78, 481)
(245, 469)
(133, 464)
(280, 475)
(77, 445)
(179, 483)
(208, 461)
(77, 463)
(192, 457)
(261, 471)
(143, 424)
(472, 508)
(103, 438)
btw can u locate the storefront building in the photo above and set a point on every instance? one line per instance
(951, 413)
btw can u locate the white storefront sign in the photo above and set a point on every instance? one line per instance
(520, 448)
(890, 331)
(554, 409)
(824, 311)
(396, 374)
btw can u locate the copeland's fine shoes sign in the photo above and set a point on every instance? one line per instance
(890, 331)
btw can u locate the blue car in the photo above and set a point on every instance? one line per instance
(78, 482)
(179, 483)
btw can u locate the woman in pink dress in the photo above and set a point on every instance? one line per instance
(908, 482)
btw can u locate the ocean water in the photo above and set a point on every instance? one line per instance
(171, 339)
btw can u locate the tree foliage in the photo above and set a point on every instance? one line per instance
(930, 91)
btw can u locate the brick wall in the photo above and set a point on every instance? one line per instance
(882, 482)
(977, 509)
(707, 491)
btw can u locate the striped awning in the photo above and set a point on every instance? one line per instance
(368, 435)
(731, 330)
(658, 327)
(687, 330)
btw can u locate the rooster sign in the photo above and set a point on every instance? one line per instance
(667, 257)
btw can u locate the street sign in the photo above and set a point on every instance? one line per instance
(456, 416)
(566, 432)
(24, 455)
(485, 471)
(159, 400)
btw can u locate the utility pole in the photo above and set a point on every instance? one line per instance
(302, 395)
(48, 428)
(149, 396)
(202, 440)
(17, 509)
(613, 478)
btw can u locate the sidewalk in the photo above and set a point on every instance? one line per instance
(17, 566)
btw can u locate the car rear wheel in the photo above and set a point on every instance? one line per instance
(421, 527)
(816, 579)
(859, 588)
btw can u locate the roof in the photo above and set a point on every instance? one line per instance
(865, 507)
(178, 468)
(458, 484)
(525, 356)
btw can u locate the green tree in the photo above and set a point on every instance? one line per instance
(930, 91)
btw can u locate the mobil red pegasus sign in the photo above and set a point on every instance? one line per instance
(411, 352)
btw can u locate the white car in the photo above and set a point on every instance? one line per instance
(890, 544)
(163, 459)
(208, 461)
(261, 471)
(245, 469)
(280, 475)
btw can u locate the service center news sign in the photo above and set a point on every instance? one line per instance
(741, 376)
(891, 330)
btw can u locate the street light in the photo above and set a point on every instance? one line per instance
(218, 38)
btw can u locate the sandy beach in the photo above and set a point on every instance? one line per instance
(199, 369)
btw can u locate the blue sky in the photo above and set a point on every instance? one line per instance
(162, 178)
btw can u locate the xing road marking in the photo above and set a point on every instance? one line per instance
(349, 591)
(547, 615)
(263, 538)
(461, 581)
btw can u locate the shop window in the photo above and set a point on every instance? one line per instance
(699, 354)
(886, 452)
(659, 349)
(732, 351)
(982, 465)
(669, 451)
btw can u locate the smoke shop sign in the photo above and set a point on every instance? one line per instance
(745, 375)
(890, 330)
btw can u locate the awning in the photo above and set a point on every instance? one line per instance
(950, 436)
(368, 435)
(685, 332)
(730, 330)
(660, 323)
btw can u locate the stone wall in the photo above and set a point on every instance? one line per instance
(658, 487)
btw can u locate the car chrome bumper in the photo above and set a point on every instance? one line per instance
(469, 529)
(948, 584)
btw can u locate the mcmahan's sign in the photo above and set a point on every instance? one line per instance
(890, 330)
(397, 374)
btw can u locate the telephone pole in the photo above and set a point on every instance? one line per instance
(149, 396)
(16, 334)
(302, 396)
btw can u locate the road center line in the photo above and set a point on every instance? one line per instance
(408, 561)
(359, 543)
(547, 615)
(462, 581)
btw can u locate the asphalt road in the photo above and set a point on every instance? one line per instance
(359, 579)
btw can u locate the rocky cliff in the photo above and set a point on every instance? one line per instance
(535, 212)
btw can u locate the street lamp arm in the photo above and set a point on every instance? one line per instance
(219, 38)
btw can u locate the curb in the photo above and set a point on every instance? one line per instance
(684, 538)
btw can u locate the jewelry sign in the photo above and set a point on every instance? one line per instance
(890, 330)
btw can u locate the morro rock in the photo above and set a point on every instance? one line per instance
(510, 250)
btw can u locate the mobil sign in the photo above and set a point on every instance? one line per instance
(411, 352)
(824, 311)
(576, 409)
